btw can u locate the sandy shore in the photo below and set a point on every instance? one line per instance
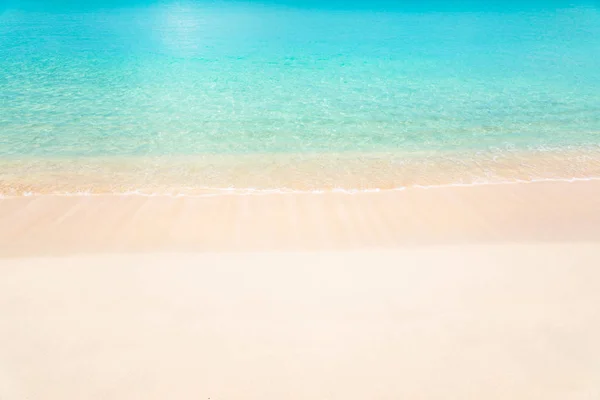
(533, 212)
(436, 322)
(486, 292)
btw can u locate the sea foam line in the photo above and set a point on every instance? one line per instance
(230, 191)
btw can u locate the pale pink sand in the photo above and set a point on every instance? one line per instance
(506, 308)
(532, 212)
(460, 322)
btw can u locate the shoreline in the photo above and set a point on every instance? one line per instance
(533, 212)
(209, 174)
(235, 191)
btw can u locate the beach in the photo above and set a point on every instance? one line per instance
(506, 213)
(483, 291)
(498, 321)
(298, 199)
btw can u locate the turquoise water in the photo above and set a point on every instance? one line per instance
(184, 78)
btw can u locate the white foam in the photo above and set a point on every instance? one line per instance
(232, 191)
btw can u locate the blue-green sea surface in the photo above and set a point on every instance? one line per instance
(145, 79)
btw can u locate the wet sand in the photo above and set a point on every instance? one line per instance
(512, 213)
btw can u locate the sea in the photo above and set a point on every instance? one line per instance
(197, 97)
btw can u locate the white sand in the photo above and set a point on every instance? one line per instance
(459, 322)
(396, 315)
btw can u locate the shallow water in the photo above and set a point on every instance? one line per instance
(103, 87)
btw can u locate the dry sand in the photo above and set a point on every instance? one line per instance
(460, 322)
(486, 292)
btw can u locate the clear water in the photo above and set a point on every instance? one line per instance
(112, 80)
